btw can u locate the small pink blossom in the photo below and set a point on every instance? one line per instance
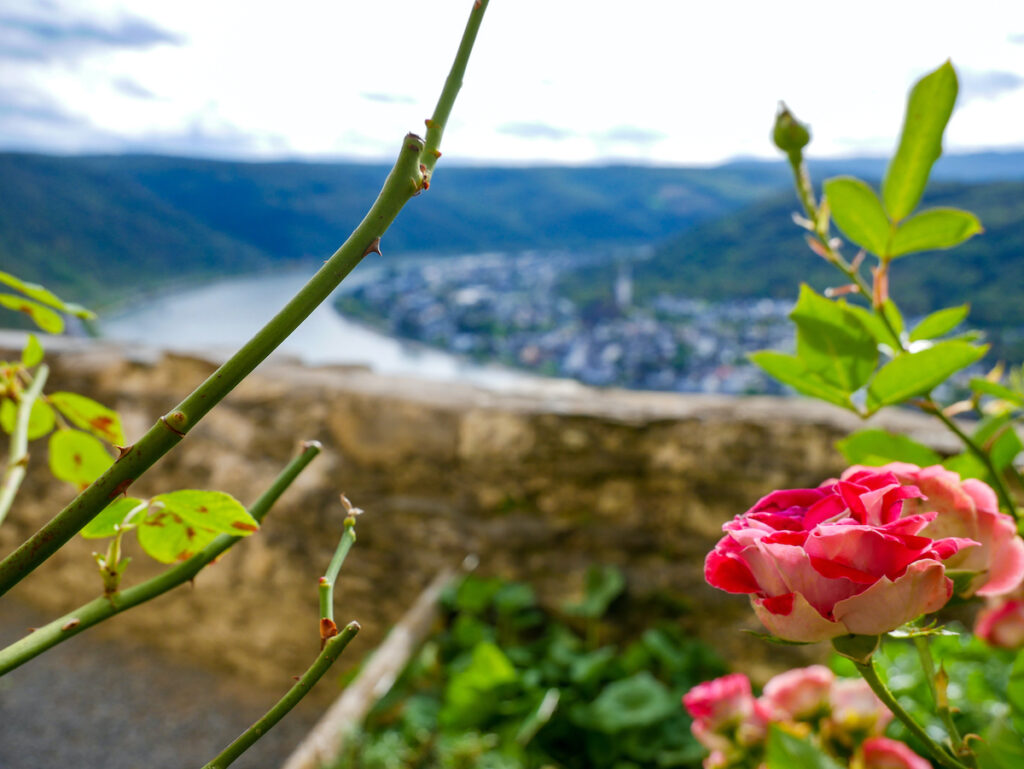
(856, 710)
(1002, 624)
(883, 753)
(798, 694)
(725, 713)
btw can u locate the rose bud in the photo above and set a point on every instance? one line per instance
(856, 710)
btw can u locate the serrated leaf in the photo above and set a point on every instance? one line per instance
(104, 524)
(928, 110)
(934, 229)
(89, 415)
(792, 371)
(213, 510)
(939, 323)
(77, 457)
(45, 296)
(917, 373)
(857, 211)
(40, 419)
(167, 537)
(832, 342)
(787, 751)
(878, 447)
(32, 355)
(44, 317)
(980, 385)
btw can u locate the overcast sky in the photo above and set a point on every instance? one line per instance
(575, 81)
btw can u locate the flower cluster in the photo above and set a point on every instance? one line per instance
(868, 552)
(842, 715)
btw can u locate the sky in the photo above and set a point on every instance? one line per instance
(550, 81)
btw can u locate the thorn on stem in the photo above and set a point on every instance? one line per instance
(122, 452)
(121, 488)
(71, 623)
(327, 630)
(165, 423)
(373, 248)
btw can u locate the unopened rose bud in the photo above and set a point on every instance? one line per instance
(789, 134)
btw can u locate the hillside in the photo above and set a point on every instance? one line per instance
(760, 252)
(97, 227)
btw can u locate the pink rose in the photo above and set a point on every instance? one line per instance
(725, 712)
(800, 694)
(838, 559)
(1002, 624)
(967, 509)
(883, 753)
(856, 710)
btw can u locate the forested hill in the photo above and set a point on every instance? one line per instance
(760, 252)
(94, 226)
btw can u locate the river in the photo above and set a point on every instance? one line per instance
(221, 315)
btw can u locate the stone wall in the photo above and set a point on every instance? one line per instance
(537, 482)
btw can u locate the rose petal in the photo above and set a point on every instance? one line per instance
(887, 604)
(800, 623)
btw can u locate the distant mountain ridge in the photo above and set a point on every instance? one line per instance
(94, 227)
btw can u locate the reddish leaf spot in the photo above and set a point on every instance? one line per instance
(77, 459)
(190, 532)
(103, 424)
(202, 509)
(244, 526)
(184, 555)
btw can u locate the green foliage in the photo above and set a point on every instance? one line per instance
(40, 421)
(928, 110)
(832, 342)
(505, 685)
(77, 457)
(858, 212)
(787, 751)
(88, 415)
(979, 679)
(879, 447)
(939, 323)
(933, 230)
(912, 374)
(602, 585)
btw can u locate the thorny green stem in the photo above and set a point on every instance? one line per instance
(103, 608)
(997, 480)
(17, 458)
(405, 180)
(941, 756)
(940, 698)
(331, 651)
(348, 538)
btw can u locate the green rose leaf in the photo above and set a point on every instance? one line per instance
(40, 419)
(1002, 748)
(89, 415)
(470, 695)
(787, 751)
(879, 447)
(916, 373)
(858, 212)
(967, 466)
(214, 510)
(77, 457)
(1015, 692)
(939, 323)
(104, 524)
(602, 585)
(792, 371)
(933, 230)
(167, 537)
(40, 294)
(32, 355)
(879, 330)
(980, 385)
(928, 110)
(832, 342)
(44, 317)
(999, 438)
(632, 703)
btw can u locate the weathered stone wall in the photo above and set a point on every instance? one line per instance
(538, 483)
